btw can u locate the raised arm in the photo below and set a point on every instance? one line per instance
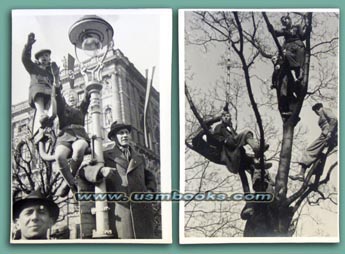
(26, 55)
(280, 32)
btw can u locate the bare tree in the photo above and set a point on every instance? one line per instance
(253, 41)
(31, 172)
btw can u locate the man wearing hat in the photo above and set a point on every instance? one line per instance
(232, 143)
(34, 215)
(234, 156)
(43, 73)
(328, 124)
(125, 172)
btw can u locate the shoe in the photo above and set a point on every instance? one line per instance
(44, 118)
(298, 177)
(257, 164)
(247, 211)
(257, 150)
(64, 191)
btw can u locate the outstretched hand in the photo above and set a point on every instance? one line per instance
(31, 39)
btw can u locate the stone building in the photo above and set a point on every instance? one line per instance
(123, 98)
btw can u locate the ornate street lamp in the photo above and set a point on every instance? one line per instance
(93, 36)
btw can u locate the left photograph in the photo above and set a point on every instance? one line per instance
(90, 96)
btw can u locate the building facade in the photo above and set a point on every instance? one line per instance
(122, 99)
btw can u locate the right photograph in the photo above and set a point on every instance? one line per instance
(259, 113)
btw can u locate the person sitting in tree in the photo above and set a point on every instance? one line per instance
(72, 139)
(231, 145)
(328, 138)
(42, 72)
(294, 49)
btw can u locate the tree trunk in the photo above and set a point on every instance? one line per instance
(274, 219)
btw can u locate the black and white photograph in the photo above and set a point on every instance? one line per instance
(259, 137)
(90, 97)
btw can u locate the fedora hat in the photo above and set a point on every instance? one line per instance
(41, 52)
(115, 127)
(35, 198)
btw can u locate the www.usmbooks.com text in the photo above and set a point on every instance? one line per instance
(173, 196)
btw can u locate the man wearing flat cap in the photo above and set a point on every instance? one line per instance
(43, 73)
(34, 215)
(125, 171)
(328, 124)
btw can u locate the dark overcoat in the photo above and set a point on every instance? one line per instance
(231, 144)
(130, 219)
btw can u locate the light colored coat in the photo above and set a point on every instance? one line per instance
(328, 123)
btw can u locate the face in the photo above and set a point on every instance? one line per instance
(44, 59)
(286, 21)
(226, 118)
(34, 222)
(123, 137)
(71, 99)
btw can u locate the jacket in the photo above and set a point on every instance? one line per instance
(327, 121)
(71, 119)
(130, 219)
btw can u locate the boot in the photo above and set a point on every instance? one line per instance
(299, 176)
(70, 183)
(254, 144)
(64, 190)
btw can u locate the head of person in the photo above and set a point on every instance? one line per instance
(226, 117)
(71, 97)
(286, 21)
(43, 57)
(120, 133)
(34, 215)
(317, 108)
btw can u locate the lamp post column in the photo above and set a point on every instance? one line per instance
(92, 34)
(101, 207)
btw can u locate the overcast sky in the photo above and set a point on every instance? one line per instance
(137, 33)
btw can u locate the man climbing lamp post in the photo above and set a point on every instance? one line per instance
(93, 36)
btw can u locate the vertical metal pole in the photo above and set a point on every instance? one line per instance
(146, 106)
(101, 207)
